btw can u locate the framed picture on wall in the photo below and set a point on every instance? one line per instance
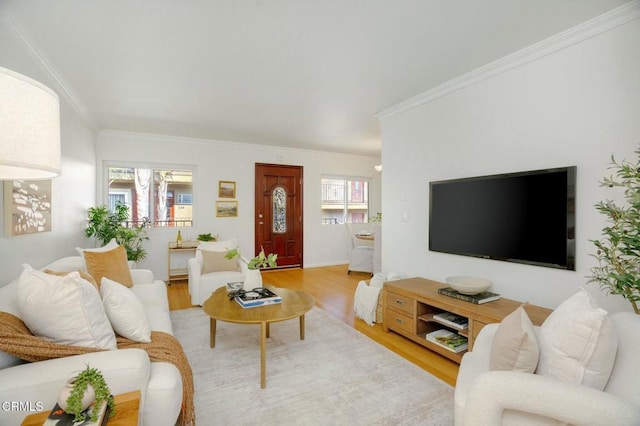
(226, 209)
(27, 206)
(226, 189)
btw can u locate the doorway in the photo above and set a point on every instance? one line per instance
(278, 212)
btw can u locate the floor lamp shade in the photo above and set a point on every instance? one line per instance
(29, 128)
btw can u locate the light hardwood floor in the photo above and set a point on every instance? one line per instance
(333, 290)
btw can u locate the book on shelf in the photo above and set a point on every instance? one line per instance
(452, 320)
(257, 297)
(448, 340)
(58, 416)
(480, 298)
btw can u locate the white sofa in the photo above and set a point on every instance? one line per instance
(201, 283)
(36, 385)
(484, 397)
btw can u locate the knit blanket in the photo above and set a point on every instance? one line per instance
(16, 339)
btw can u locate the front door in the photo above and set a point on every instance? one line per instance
(278, 209)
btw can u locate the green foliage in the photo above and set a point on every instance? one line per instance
(618, 254)
(105, 226)
(89, 377)
(260, 261)
(207, 237)
(376, 218)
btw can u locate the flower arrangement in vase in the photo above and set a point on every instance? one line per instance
(262, 260)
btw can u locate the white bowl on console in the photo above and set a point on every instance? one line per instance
(468, 285)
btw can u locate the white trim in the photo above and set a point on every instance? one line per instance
(601, 24)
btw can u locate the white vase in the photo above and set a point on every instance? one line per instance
(253, 279)
(87, 399)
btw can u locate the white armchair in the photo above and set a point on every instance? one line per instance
(484, 397)
(361, 253)
(210, 270)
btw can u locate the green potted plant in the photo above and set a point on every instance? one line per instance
(207, 237)
(618, 251)
(72, 398)
(105, 226)
(262, 260)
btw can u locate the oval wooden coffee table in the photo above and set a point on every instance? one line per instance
(294, 304)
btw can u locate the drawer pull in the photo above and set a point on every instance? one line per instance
(399, 321)
(399, 302)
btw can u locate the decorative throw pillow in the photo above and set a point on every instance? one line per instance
(515, 347)
(578, 343)
(63, 309)
(215, 261)
(125, 311)
(83, 275)
(222, 246)
(111, 264)
(109, 246)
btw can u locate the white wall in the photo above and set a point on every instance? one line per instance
(576, 106)
(72, 192)
(215, 161)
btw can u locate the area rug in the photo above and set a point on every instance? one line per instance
(336, 376)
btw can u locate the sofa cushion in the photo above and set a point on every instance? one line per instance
(125, 311)
(63, 309)
(578, 343)
(215, 261)
(515, 347)
(111, 264)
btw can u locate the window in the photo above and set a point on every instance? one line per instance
(164, 196)
(345, 200)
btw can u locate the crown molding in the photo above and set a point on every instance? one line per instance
(596, 26)
(63, 89)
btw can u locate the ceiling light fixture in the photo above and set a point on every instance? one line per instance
(29, 128)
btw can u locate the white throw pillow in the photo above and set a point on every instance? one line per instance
(515, 347)
(578, 343)
(64, 309)
(215, 246)
(125, 311)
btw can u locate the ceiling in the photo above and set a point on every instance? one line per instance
(310, 74)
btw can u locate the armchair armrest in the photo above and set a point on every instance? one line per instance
(39, 383)
(494, 392)
(194, 270)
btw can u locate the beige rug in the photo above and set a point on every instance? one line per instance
(336, 376)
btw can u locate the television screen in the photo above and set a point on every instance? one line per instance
(526, 217)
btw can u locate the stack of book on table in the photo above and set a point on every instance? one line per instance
(257, 297)
(484, 297)
(448, 340)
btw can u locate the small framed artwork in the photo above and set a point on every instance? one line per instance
(226, 189)
(27, 205)
(226, 209)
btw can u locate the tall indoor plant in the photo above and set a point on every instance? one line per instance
(105, 226)
(618, 251)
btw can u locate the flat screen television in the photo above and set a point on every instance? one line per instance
(525, 217)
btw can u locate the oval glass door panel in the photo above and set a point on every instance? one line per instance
(279, 210)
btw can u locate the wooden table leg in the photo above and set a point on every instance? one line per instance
(301, 327)
(263, 354)
(212, 333)
(268, 330)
